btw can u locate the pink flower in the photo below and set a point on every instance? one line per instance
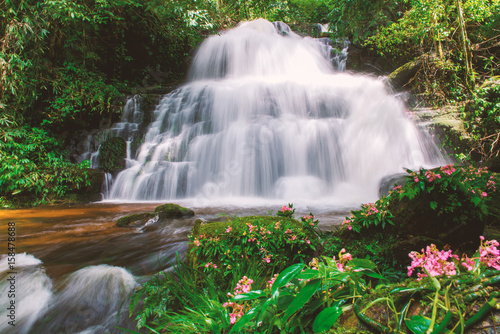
(285, 209)
(197, 242)
(229, 229)
(448, 169)
(431, 176)
(232, 318)
(434, 261)
(271, 281)
(277, 225)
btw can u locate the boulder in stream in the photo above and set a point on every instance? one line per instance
(163, 212)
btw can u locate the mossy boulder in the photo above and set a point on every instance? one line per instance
(405, 74)
(135, 220)
(161, 213)
(172, 211)
(112, 154)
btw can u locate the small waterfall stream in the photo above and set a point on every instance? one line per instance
(264, 114)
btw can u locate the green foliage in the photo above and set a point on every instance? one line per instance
(482, 117)
(158, 300)
(358, 20)
(32, 168)
(451, 188)
(62, 60)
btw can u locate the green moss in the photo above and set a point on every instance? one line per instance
(112, 155)
(135, 219)
(170, 211)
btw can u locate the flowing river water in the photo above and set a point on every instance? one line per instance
(74, 269)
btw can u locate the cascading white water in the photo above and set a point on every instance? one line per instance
(265, 115)
(26, 292)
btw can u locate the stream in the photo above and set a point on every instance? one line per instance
(74, 270)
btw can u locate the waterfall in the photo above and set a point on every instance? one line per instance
(266, 114)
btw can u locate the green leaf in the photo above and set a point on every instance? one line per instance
(308, 274)
(418, 324)
(264, 309)
(326, 319)
(362, 264)
(302, 298)
(433, 205)
(286, 276)
(374, 275)
(250, 295)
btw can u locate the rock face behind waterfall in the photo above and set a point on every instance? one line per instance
(264, 114)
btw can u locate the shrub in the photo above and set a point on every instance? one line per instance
(264, 241)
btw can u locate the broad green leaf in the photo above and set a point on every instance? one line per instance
(284, 300)
(302, 297)
(250, 295)
(362, 264)
(418, 324)
(264, 309)
(374, 275)
(326, 319)
(308, 274)
(286, 276)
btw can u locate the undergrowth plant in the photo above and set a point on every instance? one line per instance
(34, 166)
(454, 188)
(263, 241)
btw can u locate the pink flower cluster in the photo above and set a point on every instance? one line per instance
(431, 176)
(397, 189)
(448, 169)
(491, 185)
(244, 285)
(370, 209)
(270, 283)
(441, 262)
(434, 261)
(286, 209)
(489, 253)
(348, 223)
(210, 264)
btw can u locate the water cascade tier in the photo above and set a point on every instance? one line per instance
(265, 114)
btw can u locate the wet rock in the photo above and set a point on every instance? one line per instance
(135, 220)
(404, 75)
(389, 182)
(162, 213)
(170, 210)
